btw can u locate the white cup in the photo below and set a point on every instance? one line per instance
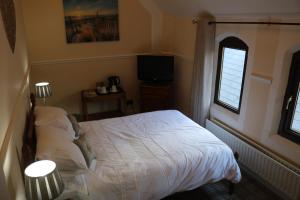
(98, 89)
(114, 88)
(103, 90)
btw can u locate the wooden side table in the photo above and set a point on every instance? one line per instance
(86, 98)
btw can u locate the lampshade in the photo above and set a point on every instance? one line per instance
(43, 181)
(42, 90)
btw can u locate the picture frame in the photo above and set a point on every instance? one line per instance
(91, 20)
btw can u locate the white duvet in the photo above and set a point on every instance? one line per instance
(152, 155)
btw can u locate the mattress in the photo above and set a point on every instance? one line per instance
(152, 155)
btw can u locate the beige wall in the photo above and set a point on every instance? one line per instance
(140, 31)
(71, 68)
(178, 38)
(69, 78)
(44, 24)
(269, 59)
(12, 154)
(268, 65)
(13, 107)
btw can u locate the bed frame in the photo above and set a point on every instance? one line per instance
(29, 137)
(29, 142)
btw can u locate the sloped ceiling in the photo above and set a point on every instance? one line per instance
(230, 7)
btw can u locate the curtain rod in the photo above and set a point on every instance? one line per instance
(267, 23)
(196, 20)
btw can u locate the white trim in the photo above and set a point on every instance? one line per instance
(89, 59)
(84, 59)
(261, 78)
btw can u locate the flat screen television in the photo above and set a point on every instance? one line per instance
(154, 68)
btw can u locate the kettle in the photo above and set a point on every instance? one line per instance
(114, 80)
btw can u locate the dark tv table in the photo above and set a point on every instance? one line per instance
(156, 96)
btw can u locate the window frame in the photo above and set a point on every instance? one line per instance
(291, 90)
(233, 43)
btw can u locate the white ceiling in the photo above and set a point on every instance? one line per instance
(230, 7)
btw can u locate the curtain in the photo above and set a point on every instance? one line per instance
(203, 70)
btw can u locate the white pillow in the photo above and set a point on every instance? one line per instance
(55, 144)
(61, 122)
(53, 116)
(52, 133)
(45, 111)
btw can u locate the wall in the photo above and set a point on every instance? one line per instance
(269, 59)
(69, 78)
(270, 51)
(156, 23)
(145, 29)
(13, 106)
(178, 38)
(73, 67)
(44, 24)
(231, 7)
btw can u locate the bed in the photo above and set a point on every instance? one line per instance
(152, 155)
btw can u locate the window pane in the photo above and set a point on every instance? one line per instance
(289, 126)
(232, 76)
(296, 117)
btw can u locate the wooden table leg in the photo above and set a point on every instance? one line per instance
(84, 108)
(123, 105)
(231, 185)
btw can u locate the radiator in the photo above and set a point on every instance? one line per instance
(280, 177)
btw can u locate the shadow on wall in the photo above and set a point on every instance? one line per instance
(183, 83)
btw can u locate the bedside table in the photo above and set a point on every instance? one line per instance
(86, 98)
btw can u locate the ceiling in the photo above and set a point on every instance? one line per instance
(230, 7)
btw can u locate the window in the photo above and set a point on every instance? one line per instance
(290, 115)
(232, 60)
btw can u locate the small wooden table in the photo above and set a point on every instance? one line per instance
(120, 97)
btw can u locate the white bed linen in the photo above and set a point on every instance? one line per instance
(152, 155)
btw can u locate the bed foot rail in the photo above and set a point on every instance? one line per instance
(231, 188)
(236, 156)
(231, 185)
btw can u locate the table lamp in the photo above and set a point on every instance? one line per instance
(43, 181)
(43, 90)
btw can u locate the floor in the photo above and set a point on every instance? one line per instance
(247, 189)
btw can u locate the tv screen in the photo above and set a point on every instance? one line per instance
(155, 68)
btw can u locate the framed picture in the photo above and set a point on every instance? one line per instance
(91, 20)
(7, 9)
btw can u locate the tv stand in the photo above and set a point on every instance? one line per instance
(156, 96)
